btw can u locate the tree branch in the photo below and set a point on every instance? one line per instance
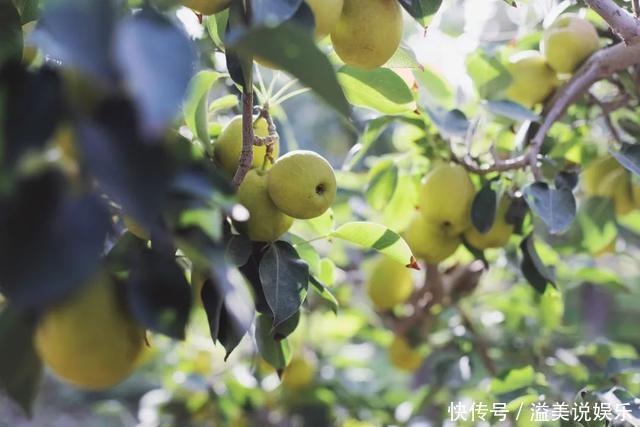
(620, 21)
(246, 156)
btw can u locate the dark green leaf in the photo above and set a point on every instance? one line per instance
(421, 9)
(371, 134)
(511, 110)
(324, 293)
(556, 207)
(238, 250)
(568, 180)
(483, 208)
(533, 268)
(453, 123)
(20, 366)
(629, 157)
(274, 12)
(284, 278)
(382, 185)
(286, 328)
(10, 33)
(277, 353)
(621, 366)
(195, 104)
(293, 49)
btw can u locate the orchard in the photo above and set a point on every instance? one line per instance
(352, 213)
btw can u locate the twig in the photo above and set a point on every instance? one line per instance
(606, 108)
(481, 345)
(423, 300)
(246, 156)
(620, 21)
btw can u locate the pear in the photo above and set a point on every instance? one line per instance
(430, 242)
(326, 13)
(302, 184)
(402, 356)
(617, 185)
(90, 340)
(299, 373)
(368, 32)
(568, 42)
(499, 233)
(389, 284)
(228, 146)
(266, 223)
(533, 80)
(595, 172)
(207, 7)
(445, 198)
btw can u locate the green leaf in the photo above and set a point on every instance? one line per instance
(597, 221)
(621, 366)
(534, 270)
(378, 237)
(511, 110)
(381, 90)
(216, 26)
(421, 10)
(223, 103)
(20, 366)
(551, 309)
(382, 185)
(488, 74)
(324, 293)
(483, 208)
(294, 50)
(10, 32)
(285, 278)
(452, 122)
(437, 88)
(371, 134)
(195, 105)
(629, 157)
(275, 353)
(556, 207)
(513, 380)
(404, 57)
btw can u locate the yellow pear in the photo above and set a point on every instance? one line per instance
(228, 146)
(617, 185)
(207, 7)
(568, 42)
(595, 172)
(135, 228)
(389, 283)
(368, 32)
(302, 184)
(429, 242)
(266, 223)
(445, 198)
(499, 233)
(299, 373)
(326, 13)
(90, 340)
(532, 78)
(402, 356)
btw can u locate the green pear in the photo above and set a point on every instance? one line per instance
(533, 80)
(266, 223)
(429, 242)
(596, 171)
(445, 198)
(326, 13)
(302, 184)
(499, 233)
(617, 185)
(228, 146)
(389, 283)
(368, 33)
(568, 42)
(90, 340)
(207, 7)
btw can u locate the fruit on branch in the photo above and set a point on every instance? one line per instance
(135, 228)
(326, 14)
(302, 184)
(90, 340)
(499, 233)
(428, 242)
(617, 186)
(389, 283)
(403, 356)
(368, 32)
(300, 372)
(266, 222)
(228, 147)
(207, 7)
(445, 198)
(533, 80)
(595, 172)
(568, 42)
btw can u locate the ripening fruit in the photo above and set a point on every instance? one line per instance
(429, 242)
(302, 184)
(207, 7)
(402, 356)
(299, 373)
(595, 172)
(445, 198)
(389, 283)
(568, 42)
(326, 14)
(266, 222)
(532, 78)
(135, 228)
(617, 185)
(228, 146)
(90, 340)
(368, 32)
(499, 233)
